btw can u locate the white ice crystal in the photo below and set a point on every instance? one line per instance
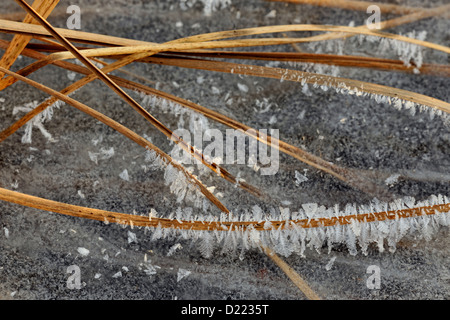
(6, 230)
(242, 87)
(103, 154)
(300, 178)
(37, 121)
(173, 249)
(330, 263)
(197, 121)
(149, 269)
(132, 238)
(83, 251)
(209, 6)
(124, 175)
(182, 273)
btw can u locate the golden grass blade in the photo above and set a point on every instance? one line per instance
(144, 221)
(356, 5)
(387, 24)
(408, 18)
(301, 27)
(8, 26)
(293, 75)
(353, 86)
(127, 72)
(375, 89)
(319, 58)
(19, 42)
(290, 272)
(123, 130)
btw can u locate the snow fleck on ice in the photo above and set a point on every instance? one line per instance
(149, 269)
(242, 87)
(37, 121)
(330, 263)
(83, 251)
(104, 154)
(182, 273)
(71, 75)
(173, 249)
(272, 14)
(15, 185)
(132, 237)
(124, 175)
(300, 178)
(392, 179)
(209, 6)
(117, 275)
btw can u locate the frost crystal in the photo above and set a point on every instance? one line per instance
(209, 6)
(132, 237)
(124, 175)
(158, 104)
(37, 121)
(299, 178)
(173, 249)
(149, 269)
(104, 154)
(330, 263)
(6, 230)
(391, 180)
(182, 273)
(83, 251)
(242, 87)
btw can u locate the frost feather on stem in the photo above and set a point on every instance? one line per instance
(175, 179)
(288, 237)
(197, 121)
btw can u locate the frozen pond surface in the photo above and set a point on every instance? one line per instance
(88, 164)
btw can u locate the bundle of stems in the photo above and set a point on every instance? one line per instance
(191, 52)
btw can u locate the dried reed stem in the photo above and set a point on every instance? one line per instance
(144, 221)
(292, 274)
(357, 5)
